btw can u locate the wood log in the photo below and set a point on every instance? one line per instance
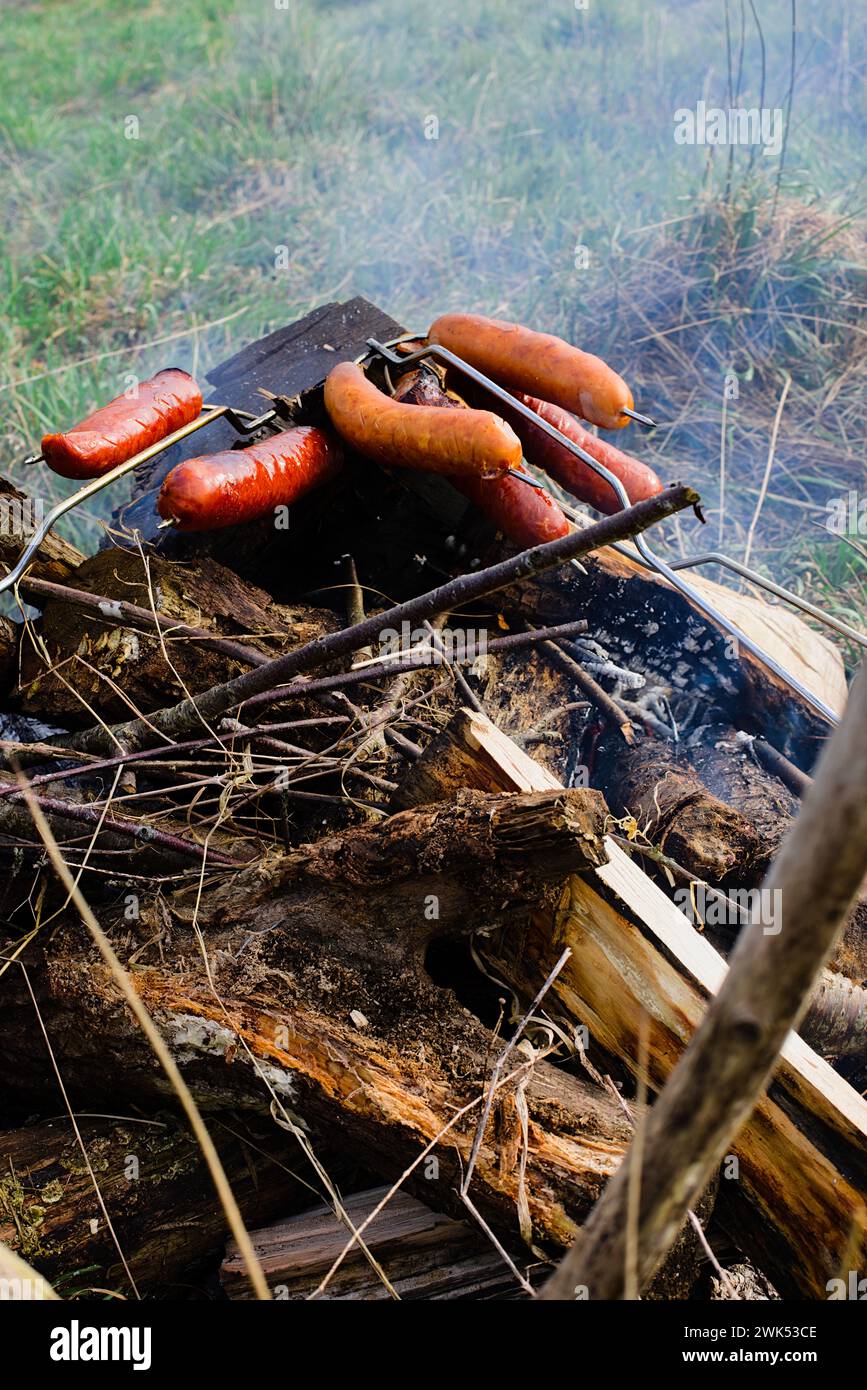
(802, 1157)
(727, 767)
(10, 634)
(316, 1000)
(726, 1069)
(654, 783)
(55, 559)
(658, 786)
(424, 1255)
(88, 662)
(151, 1178)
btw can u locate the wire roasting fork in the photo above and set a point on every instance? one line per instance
(647, 556)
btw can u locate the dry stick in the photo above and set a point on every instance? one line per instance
(777, 763)
(460, 679)
(763, 491)
(724, 1071)
(92, 764)
(498, 1067)
(109, 608)
(186, 716)
(122, 980)
(514, 642)
(606, 705)
(355, 597)
(130, 829)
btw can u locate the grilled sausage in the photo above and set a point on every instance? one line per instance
(576, 477)
(202, 494)
(522, 360)
(475, 442)
(527, 515)
(124, 427)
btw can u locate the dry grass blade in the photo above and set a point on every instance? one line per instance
(18, 1273)
(763, 490)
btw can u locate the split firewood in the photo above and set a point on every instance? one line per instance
(725, 1072)
(731, 842)
(423, 1254)
(801, 1187)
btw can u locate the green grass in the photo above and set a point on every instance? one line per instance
(262, 127)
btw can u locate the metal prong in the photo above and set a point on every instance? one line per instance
(33, 458)
(642, 419)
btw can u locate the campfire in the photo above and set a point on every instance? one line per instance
(374, 805)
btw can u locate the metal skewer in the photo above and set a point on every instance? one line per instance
(642, 419)
(652, 561)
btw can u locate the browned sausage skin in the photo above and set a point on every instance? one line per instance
(527, 515)
(475, 443)
(125, 426)
(576, 477)
(538, 363)
(203, 494)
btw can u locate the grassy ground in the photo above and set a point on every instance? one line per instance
(155, 157)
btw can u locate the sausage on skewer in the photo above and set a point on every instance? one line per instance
(527, 515)
(476, 442)
(523, 360)
(125, 426)
(203, 494)
(576, 477)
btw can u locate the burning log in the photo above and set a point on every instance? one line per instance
(656, 786)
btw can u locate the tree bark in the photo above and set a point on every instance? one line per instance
(151, 1177)
(106, 662)
(317, 1001)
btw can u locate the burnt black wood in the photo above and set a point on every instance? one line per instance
(289, 362)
